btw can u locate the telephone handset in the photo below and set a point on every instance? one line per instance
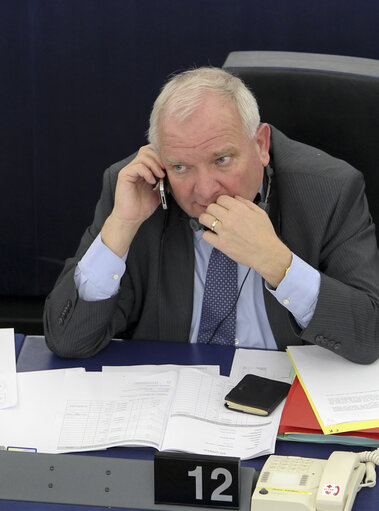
(290, 483)
(162, 192)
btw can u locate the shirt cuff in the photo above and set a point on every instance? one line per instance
(98, 273)
(298, 291)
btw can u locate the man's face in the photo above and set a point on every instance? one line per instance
(209, 155)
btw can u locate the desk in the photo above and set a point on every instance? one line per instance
(34, 355)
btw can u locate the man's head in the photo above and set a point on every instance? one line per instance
(184, 92)
(205, 128)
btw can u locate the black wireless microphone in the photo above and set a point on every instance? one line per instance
(264, 204)
(196, 225)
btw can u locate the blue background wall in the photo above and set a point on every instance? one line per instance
(78, 78)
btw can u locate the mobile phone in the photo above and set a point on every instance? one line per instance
(162, 192)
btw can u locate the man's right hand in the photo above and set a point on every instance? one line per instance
(136, 199)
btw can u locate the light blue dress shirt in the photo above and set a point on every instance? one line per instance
(98, 275)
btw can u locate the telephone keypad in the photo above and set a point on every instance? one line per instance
(290, 464)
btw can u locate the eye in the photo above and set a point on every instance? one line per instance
(179, 168)
(223, 160)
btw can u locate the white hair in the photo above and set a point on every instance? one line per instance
(183, 94)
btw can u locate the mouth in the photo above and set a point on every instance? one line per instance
(203, 207)
(199, 209)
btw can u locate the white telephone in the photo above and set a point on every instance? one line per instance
(290, 483)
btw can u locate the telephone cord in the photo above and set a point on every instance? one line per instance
(371, 458)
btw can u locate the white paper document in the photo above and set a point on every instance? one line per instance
(341, 391)
(161, 368)
(32, 424)
(8, 381)
(200, 423)
(175, 410)
(275, 365)
(108, 409)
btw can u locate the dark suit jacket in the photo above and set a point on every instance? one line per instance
(319, 210)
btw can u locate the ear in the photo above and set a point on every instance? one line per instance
(262, 138)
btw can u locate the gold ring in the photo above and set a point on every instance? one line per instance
(214, 223)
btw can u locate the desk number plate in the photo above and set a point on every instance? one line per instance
(196, 480)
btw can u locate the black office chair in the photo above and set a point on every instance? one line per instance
(328, 101)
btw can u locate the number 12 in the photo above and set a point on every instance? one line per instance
(197, 473)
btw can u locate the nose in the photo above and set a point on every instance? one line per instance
(207, 186)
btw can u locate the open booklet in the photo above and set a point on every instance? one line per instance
(72, 410)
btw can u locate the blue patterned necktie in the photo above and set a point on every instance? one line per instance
(220, 295)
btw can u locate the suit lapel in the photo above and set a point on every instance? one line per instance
(176, 278)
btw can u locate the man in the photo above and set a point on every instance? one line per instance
(307, 270)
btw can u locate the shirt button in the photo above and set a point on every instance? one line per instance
(236, 342)
(115, 276)
(286, 301)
